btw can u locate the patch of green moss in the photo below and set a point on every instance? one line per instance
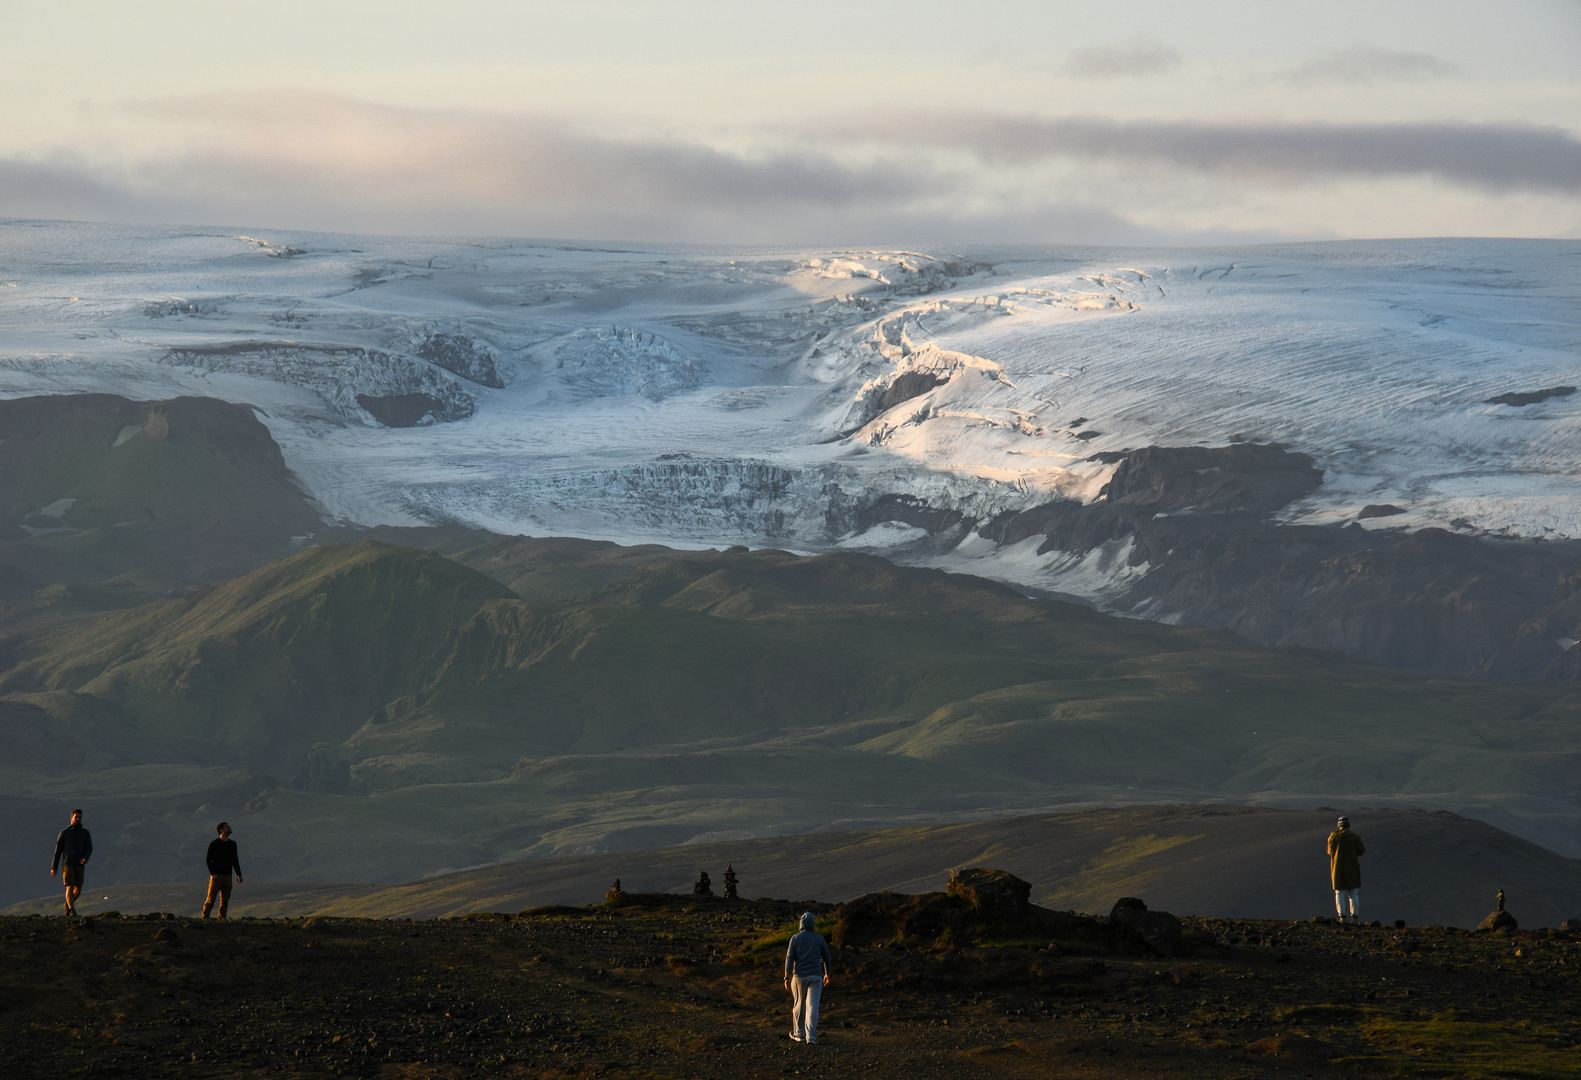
(1448, 1045)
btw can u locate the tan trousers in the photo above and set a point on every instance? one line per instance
(218, 887)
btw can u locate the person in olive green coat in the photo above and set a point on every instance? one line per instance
(1344, 866)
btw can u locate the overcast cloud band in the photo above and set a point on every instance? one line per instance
(1500, 156)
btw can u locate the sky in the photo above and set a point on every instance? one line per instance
(860, 122)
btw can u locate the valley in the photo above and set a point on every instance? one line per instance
(273, 569)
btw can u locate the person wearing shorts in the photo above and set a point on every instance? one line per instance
(73, 849)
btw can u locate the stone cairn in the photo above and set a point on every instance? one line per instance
(616, 895)
(704, 887)
(730, 881)
(1499, 919)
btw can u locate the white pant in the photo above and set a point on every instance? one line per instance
(1352, 897)
(805, 993)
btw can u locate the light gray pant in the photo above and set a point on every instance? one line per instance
(805, 994)
(1352, 897)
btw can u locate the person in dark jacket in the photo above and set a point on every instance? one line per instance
(73, 849)
(806, 974)
(222, 861)
(1344, 864)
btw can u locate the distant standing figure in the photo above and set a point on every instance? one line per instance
(73, 849)
(1344, 863)
(223, 861)
(807, 967)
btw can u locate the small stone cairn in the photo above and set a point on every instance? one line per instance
(1499, 919)
(703, 887)
(616, 894)
(730, 882)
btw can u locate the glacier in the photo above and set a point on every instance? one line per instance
(878, 400)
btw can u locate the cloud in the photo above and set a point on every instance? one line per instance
(1139, 56)
(392, 154)
(337, 164)
(1362, 65)
(334, 164)
(1499, 157)
(30, 189)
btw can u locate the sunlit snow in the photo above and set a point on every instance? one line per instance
(714, 396)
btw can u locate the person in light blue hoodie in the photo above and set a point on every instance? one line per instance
(806, 974)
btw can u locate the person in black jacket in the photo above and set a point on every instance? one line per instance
(73, 848)
(222, 860)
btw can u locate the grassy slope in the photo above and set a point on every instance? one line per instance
(254, 671)
(707, 693)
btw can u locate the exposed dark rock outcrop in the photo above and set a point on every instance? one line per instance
(979, 902)
(462, 356)
(1530, 397)
(1244, 482)
(908, 510)
(996, 896)
(907, 386)
(402, 410)
(1202, 522)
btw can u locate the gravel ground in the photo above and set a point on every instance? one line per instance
(684, 989)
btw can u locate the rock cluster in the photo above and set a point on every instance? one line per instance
(997, 896)
(982, 903)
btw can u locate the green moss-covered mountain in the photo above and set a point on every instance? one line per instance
(444, 720)
(183, 639)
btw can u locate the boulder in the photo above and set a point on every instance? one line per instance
(879, 918)
(1159, 931)
(978, 902)
(997, 896)
(1499, 920)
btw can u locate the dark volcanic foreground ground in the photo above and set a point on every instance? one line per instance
(689, 989)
